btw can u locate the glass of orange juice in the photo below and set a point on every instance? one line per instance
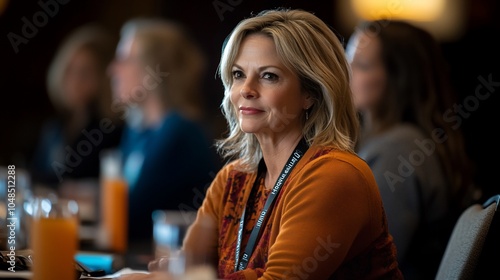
(114, 203)
(54, 239)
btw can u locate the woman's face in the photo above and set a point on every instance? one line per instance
(368, 74)
(265, 94)
(81, 80)
(127, 72)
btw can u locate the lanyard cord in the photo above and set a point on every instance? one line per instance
(287, 169)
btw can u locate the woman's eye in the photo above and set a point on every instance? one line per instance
(270, 76)
(237, 74)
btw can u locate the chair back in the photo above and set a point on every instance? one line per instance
(471, 243)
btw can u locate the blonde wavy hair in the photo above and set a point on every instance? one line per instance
(308, 47)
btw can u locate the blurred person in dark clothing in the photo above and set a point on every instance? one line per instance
(168, 158)
(69, 145)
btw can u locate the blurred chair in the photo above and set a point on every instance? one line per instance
(474, 241)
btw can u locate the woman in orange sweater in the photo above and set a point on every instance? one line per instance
(295, 201)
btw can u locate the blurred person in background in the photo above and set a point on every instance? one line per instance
(410, 138)
(168, 155)
(78, 87)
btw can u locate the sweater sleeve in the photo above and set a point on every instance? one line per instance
(322, 221)
(201, 240)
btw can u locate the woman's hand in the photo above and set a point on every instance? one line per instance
(158, 264)
(156, 275)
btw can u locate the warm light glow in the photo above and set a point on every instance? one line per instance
(443, 18)
(3, 5)
(419, 10)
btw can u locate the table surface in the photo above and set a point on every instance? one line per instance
(136, 259)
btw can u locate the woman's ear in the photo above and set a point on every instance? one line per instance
(308, 101)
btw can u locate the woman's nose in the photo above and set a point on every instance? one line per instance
(247, 91)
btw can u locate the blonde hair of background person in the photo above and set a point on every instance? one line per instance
(167, 151)
(100, 44)
(288, 71)
(331, 120)
(166, 47)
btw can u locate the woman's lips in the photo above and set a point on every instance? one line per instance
(250, 111)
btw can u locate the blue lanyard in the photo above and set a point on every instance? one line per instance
(287, 169)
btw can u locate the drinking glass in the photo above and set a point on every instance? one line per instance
(15, 193)
(113, 203)
(54, 238)
(169, 230)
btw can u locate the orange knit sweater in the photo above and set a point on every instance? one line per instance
(328, 222)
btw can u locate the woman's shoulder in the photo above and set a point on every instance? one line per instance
(181, 126)
(182, 121)
(332, 172)
(333, 161)
(404, 131)
(51, 124)
(333, 155)
(233, 168)
(401, 138)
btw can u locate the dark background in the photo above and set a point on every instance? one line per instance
(25, 104)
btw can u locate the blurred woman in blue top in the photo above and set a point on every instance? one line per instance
(168, 156)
